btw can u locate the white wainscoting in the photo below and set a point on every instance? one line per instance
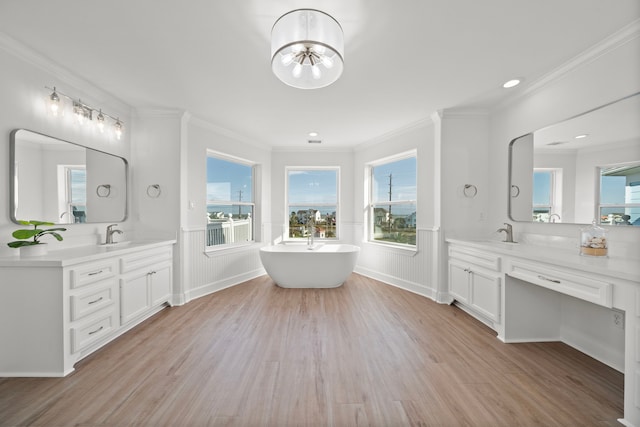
(204, 273)
(415, 271)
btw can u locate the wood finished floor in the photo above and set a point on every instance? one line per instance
(364, 354)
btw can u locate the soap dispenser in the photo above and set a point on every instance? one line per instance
(593, 241)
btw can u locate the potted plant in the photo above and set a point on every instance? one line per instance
(29, 239)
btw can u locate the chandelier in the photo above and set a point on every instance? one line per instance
(307, 49)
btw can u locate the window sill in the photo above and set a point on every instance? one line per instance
(211, 251)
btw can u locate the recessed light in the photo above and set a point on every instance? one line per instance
(584, 135)
(511, 83)
(312, 134)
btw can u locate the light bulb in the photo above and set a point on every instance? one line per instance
(297, 48)
(319, 49)
(287, 58)
(54, 102)
(327, 62)
(315, 71)
(100, 122)
(118, 129)
(297, 70)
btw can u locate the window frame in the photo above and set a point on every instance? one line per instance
(233, 203)
(599, 205)
(371, 204)
(287, 205)
(555, 195)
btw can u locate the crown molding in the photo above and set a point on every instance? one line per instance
(60, 73)
(205, 124)
(385, 137)
(161, 113)
(614, 41)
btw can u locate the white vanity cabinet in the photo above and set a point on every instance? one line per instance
(475, 282)
(145, 282)
(529, 293)
(60, 307)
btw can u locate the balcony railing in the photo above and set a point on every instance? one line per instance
(228, 230)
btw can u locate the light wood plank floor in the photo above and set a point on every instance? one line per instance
(364, 354)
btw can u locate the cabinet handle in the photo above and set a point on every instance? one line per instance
(95, 301)
(94, 273)
(548, 279)
(468, 270)
(97, 330)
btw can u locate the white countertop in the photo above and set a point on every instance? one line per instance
(75, 255)
(621, 268)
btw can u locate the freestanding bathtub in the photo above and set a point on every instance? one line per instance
(296, 266)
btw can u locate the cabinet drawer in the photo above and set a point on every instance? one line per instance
(584, 288)
(85, 274)
(145, 258)
(100, 296)
(482, 259)
(87, 333)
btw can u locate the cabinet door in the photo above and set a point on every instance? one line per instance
(160, 285)
(485, 293)
(134, 296)
(459, 281)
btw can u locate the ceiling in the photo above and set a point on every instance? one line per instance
(403, 59)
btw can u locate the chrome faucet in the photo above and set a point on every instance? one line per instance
(509, 231)
(110, 232)
(552, 217)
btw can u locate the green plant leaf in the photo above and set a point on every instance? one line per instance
(24, 234)
(57, 236)
(21, 243)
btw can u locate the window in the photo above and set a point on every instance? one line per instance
(73, 193)
(620, 195)
(230, 205)
(547, 188)
(393, 199)
(312, 202)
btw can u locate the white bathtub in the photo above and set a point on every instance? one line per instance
(295, 266)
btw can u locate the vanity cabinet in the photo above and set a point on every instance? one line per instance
(529, 293)
(145, 283)
(59, 308)
(475, 282)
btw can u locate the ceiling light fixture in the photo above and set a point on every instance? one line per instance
(83, 112)
(584, 135)
(511, 83)
(313, 134)
(307, 49)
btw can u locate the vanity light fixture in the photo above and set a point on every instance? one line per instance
(307, 49)
(511, 83)
(83, 112)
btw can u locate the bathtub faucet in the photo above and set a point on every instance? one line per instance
(311, 231)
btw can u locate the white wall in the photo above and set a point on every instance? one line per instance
(23, 105)
(202, 272)
(417, 271)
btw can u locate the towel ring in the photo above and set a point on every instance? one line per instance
(515, 191)
(154, 191)
(470, 190)
(103, 190)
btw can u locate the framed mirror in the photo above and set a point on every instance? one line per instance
(63, 182)
(581, 169)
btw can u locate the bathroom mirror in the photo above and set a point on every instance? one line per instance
(63, 182)
(581, 169)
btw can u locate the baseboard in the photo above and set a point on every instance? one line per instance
(397, 282)
(210, 288)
